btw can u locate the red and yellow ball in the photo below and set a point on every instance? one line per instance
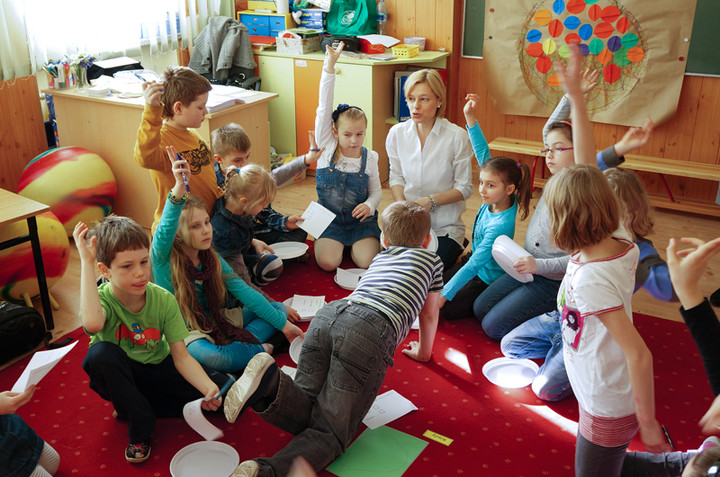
(17, 267)
(76, 183)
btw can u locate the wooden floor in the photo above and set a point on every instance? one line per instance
(294, 198)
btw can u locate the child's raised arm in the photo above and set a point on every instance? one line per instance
(571, 80)
(422, 350)
(180, 171)
(634, 138)
(91, 313)
(640, 369)
(687, 266)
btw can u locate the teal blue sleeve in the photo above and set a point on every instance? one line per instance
(162, 242)
(251, 298)
(479, 143)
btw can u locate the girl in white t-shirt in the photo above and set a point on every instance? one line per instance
(609, 366)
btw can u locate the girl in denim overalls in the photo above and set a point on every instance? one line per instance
(348, 181)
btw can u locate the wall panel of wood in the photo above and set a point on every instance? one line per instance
(22, 130)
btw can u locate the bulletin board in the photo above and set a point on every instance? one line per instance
(703, 58)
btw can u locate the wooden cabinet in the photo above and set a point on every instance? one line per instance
(365, 83)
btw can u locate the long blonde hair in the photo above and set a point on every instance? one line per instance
(252, 182)
(635, 210)
(180, 262)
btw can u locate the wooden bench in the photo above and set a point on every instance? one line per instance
(636, 162)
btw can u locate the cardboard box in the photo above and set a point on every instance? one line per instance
(298, 41)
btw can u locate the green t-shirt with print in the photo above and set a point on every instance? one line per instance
(145, 335)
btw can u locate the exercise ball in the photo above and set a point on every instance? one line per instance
(17, 267)
(77, 184)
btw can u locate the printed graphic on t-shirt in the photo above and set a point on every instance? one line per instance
(198, 158)
(139, 336)
(572, 326)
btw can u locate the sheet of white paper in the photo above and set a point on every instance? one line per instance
(416, 324)
(40, 364)
(316, 219)
(289, 371)
(192, 412)
(307, 305)
(387, 407)
(384, 40)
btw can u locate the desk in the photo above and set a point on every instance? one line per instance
(108, 126)
(366, 83)
(14, 207)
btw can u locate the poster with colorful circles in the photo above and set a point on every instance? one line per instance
(610, 38)
(628, 42)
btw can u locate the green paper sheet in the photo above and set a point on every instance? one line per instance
(381, 452)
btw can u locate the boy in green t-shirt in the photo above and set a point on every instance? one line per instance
(137, 358)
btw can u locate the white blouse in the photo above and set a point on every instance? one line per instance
(325, 138)
(444, 163)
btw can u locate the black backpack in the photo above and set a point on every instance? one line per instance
(21, 329)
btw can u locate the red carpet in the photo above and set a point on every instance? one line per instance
(494, 433)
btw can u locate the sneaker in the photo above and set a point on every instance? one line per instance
(711, 441)
(252, 386)
(249, 468)
(136, 453)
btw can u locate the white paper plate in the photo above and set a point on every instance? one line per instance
(510, 373)
(432, 246)
(288, 250)
(506, 252)
(206, 458)
(295, 348)
(303, 318)
(350, 284)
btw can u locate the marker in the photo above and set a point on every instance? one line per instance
(225, 387)
(187, 186)
(667, 436)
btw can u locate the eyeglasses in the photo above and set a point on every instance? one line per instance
(555, 150)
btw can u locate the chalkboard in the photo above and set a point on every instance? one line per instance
(474, 28)
(703, 58)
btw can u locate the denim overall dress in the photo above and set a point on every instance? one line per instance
(341, 192)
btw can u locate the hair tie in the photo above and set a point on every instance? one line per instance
(237, 170)
(341, 108)
(566, 122)
(518, 165)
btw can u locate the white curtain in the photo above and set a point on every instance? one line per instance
(32, 32)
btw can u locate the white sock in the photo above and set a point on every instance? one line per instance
(49, 460)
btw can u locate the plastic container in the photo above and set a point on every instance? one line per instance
(382, 17)
(405, 51)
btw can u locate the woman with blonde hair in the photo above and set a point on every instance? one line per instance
(430, 162)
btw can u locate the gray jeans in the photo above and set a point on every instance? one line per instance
(342, 365)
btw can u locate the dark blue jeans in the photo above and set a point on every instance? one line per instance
(342, 365)
(507, 303)
(140, 392)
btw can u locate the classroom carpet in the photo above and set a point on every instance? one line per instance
(490, 431)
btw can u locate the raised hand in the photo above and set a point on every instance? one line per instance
(472, 101)
(314, 153)
(589, 80)
(331, 57)
(87, 251)
(153, 93)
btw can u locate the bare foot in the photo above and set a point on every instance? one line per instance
(268, 348)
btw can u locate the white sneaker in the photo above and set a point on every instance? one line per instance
(250, 387)
(249, 468)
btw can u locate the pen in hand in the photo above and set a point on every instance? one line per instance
(226, 387)
(187, 186)
(667, 437)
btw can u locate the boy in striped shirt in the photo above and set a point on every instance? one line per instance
(347, 349)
